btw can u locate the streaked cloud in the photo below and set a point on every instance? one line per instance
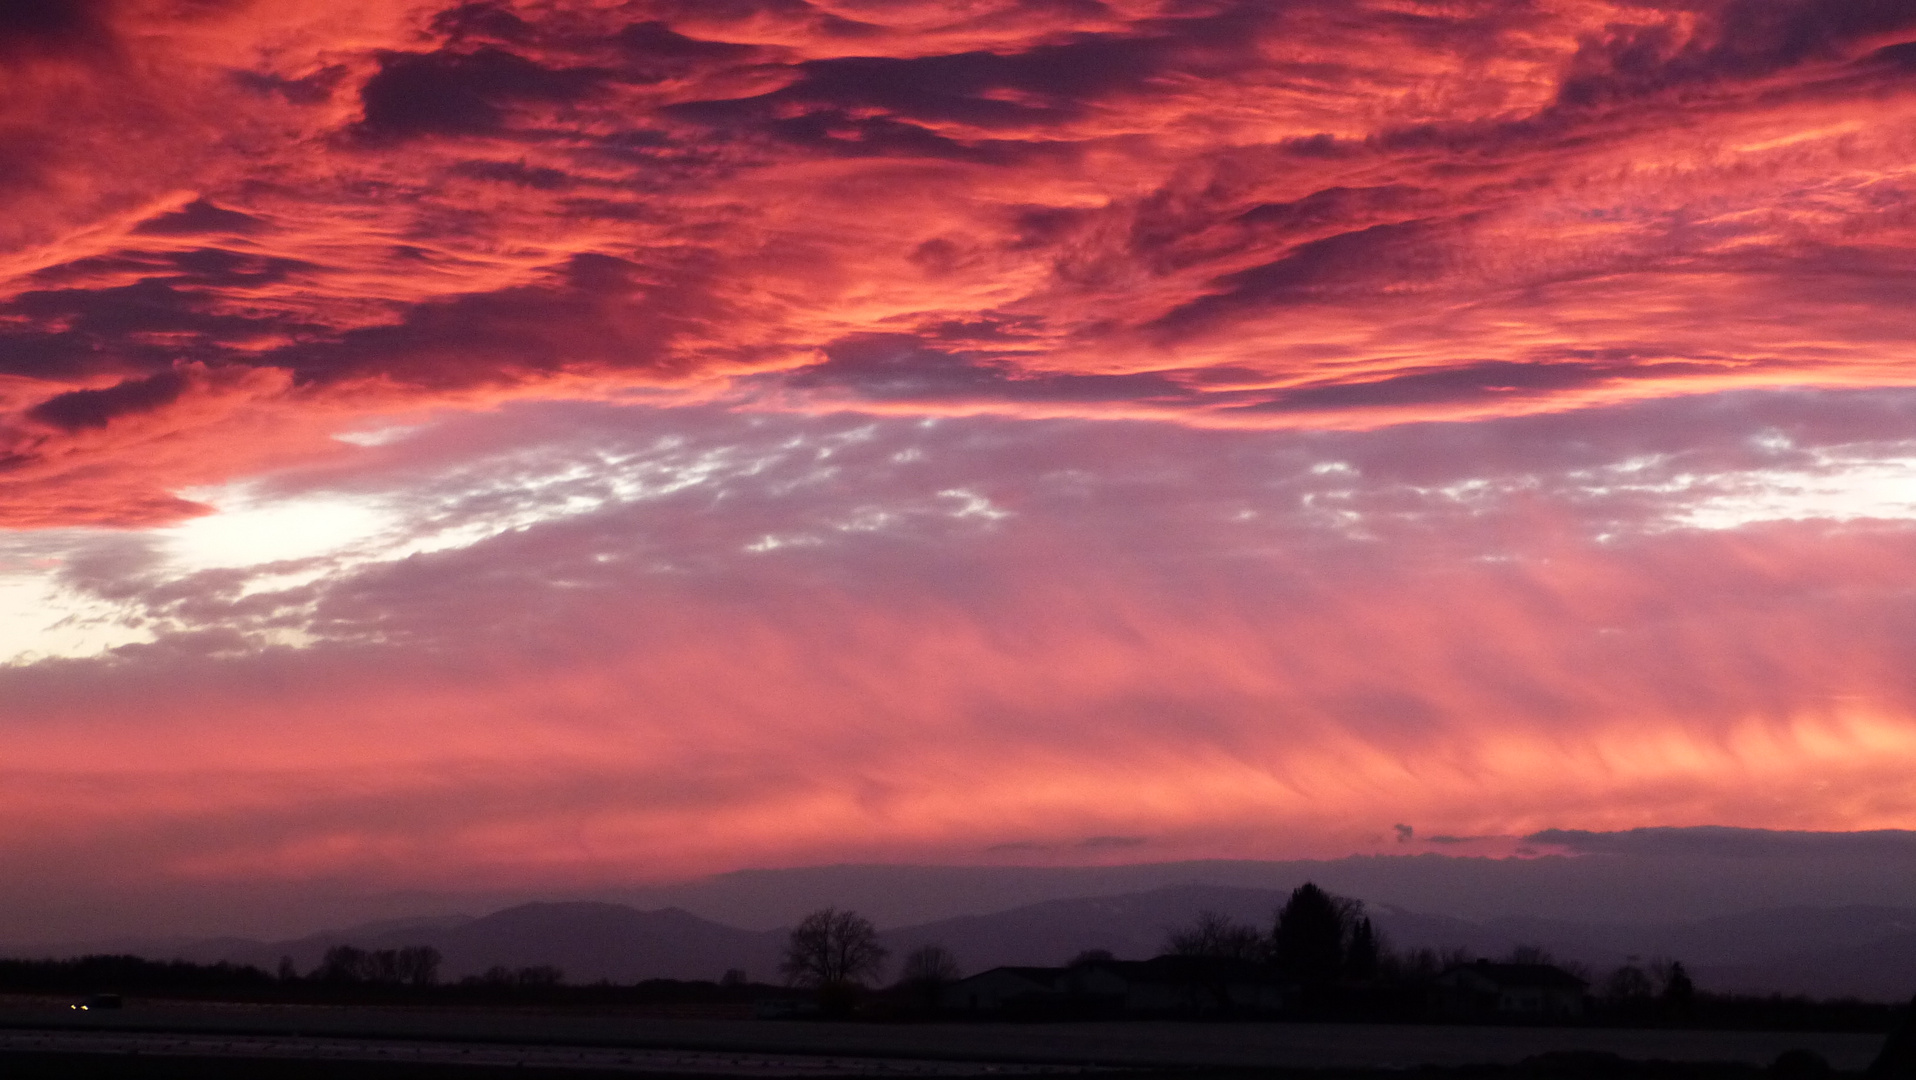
(492, 442)
(1219, 214)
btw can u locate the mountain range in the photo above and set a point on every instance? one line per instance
(1862, 951)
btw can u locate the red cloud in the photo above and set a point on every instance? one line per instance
(1238, 215)
(941, 684)
(858, 431)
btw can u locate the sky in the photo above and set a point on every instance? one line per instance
(541, 446)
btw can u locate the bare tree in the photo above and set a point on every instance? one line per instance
(539, 975)
(833, 949)
(1537, 954)
(1216, 935)
(1628, 983)
(1677, 990)
(501, 977)
(929, 964)
(1529, 954)
(414, 965)
(342, 964)
(926, 972)
(418, 965)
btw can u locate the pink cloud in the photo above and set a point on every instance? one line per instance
(968, 637)
(508, 443)
(1233, 215)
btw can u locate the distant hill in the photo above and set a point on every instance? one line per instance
(1867, 952)
(588, 941)
(1131, 926)
(1645, 875)
(1639, 875)
(1864, 951)
(591, 941)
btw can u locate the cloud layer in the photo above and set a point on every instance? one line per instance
(500, 443)
(1214, 213)
(564, 645)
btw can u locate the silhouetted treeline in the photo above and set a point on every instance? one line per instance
(1320, 957)
(352, 976)
(1345, 968)
(124, 974)
(414, 965)
(1777, 1012)
(1395, 999)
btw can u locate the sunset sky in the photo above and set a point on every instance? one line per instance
(547, 445)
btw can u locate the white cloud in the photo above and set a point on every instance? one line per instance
(1839, 489)
(40, 619)
(250, 530)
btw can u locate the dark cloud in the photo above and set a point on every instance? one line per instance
(1716, 841)
(96, 408)
(222, 269)
(1901, 56)
(890, 104)
(841, 132)
(484, 20)
(1323, 270)
(1061, 79)
(1330, 207)
(201, 217)
(80, 331)
(798, 14)
(51, 27)
(1736, 41)
(595, 310)
(311, 89)
(518, 174)
(1464, 383)
(898, 367)
(656, 51)
(460, 93)
(170, 312)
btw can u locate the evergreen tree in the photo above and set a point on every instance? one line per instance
(1308, 942)
(1361, 956)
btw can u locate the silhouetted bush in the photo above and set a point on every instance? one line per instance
(1217, 936)
(414, 965)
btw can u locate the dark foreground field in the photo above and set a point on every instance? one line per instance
(166, 1040)
(94, 1066)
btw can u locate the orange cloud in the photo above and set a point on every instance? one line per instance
(498, 443)
(993, 637)
(1231, 215)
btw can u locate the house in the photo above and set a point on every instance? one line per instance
(1200, 986)
(1510, 991)
(1166, 986)
(1033, 989)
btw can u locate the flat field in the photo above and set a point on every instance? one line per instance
(1146, 1044)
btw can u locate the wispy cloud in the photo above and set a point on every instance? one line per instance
(490, 442)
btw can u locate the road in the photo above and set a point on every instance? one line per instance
(937, 1048)
(509, 1055)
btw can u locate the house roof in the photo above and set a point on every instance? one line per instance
(1513, 976)
(1162, 969)
(1042, 976)
(1186, 968)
